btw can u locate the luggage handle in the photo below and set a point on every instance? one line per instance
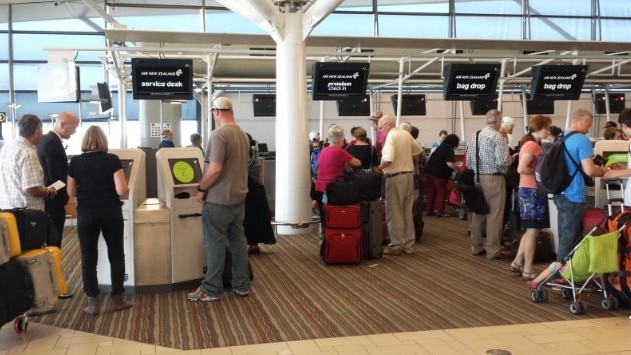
(187, 215)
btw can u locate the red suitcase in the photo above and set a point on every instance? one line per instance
(342, 246)
(345, 216)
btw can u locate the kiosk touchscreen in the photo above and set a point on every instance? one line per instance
(179, 173)
(614, 151)
(133, 161)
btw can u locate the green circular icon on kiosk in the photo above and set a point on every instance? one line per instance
(183, 172)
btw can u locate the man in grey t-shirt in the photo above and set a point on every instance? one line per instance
(222, 190)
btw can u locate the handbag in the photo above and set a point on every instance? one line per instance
(342, 191)
(471, 194)
(455, 197)
(368, 184)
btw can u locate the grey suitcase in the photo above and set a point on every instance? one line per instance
(372, 229)
(39, 264)
(5, 247)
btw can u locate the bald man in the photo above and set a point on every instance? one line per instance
(52, 157)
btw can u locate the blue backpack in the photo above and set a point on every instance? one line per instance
(315, 153)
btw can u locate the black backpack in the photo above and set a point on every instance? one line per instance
(551, 171)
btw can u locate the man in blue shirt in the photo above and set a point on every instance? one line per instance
(571, 202)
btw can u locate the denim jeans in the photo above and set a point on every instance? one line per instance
(223, 227)
(570, 223)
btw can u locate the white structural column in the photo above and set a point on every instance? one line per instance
(292, 153)
(289, 29)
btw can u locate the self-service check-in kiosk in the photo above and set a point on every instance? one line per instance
(179, 173)
(133, 161)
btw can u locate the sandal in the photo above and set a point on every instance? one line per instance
(516, 268)
(528, 276)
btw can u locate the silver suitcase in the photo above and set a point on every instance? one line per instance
(39, 264)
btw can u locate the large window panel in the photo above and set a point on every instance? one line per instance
(69, 25)
(615, 8)
(31, 46)
(439, 7)
(488, 27)
(560, 29)
(500, 7)
(25, 76)
(90, 75)
(4, 46)
(4, 17)
(228, 22)
(337, 25)
(4, 78)
(163, 20)
(616, 30)
(561, 7)
(414, 26)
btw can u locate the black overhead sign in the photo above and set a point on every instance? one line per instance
(470, 81)
(162, 79)
(334, 81)
(557, 82)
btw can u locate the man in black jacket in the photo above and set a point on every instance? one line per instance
(52, 157)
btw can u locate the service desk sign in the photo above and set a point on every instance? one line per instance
(557, 82)
(470, 81)
(162, 79)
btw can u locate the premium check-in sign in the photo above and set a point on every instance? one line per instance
(162, 79)
(470, 81)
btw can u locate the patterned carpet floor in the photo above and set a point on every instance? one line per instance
(295, 296)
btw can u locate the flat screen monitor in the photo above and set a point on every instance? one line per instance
(333, 81)
(264, 105)
(162, 79)
(411, 105)
(105, 97)
(540, 106)
(354, 106)
(58, 82)
(482, 105)
(263, 148)
(557, 82)
(616, 103)
(127, 166)
(185, 170)
(470, 81)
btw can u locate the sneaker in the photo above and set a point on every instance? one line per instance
(241, 293)
(391, 251)
(199, 295)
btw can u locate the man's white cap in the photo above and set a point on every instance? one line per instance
(508, 122)
(314, 135)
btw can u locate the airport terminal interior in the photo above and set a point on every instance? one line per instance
(274, 59)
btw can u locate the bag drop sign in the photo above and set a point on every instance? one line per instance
(559, 82)
(470, 81)
(162, 79)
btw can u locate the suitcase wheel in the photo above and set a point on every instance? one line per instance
(20, 325)
(462, 214)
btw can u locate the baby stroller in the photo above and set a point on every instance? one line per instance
(583, 271)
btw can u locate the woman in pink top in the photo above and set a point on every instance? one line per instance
(331, 163)
(533, 203)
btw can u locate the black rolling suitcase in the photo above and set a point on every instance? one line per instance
(34, 228)
(372, 229)
(16, 291)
